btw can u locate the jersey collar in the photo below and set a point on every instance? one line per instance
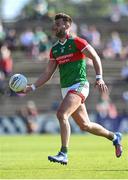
(67, 37)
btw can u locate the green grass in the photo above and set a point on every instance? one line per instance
(90, 157)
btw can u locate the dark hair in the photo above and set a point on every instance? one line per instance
(65, 17)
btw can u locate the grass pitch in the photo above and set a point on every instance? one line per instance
(90, 157)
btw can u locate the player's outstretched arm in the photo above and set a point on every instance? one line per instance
(92, 54)
(44, 77)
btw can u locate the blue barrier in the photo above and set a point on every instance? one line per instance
(48, 123)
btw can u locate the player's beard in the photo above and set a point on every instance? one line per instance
(61, 34)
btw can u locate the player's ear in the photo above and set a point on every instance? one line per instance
(68, 25)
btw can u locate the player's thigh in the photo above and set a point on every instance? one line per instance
(81, 116)
(69, 104)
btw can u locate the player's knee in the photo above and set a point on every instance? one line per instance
(61, 115)
(85, 127)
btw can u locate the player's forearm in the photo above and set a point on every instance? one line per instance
(97, 65)
(41, 80)
(92, 54)
(47, 74)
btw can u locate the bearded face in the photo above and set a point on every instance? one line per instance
(61, 33)
(60, 28)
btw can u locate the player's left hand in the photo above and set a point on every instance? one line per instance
(102, 87)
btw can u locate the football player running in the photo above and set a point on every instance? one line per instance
(69, 55)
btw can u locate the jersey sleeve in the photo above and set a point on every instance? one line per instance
(81, 43)
(51, 56)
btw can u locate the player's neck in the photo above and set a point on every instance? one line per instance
(64, 38)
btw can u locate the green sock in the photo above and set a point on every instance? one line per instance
(64, 149)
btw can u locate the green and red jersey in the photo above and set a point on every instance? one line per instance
(71, 60)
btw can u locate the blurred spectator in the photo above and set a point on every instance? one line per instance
(10, 39)
(6, 61)
(84, 32)
(51, 12)
(115, 12)
(125, 96)
(41, 8)
(124, 55)
(114, 46)
(119, 8)
(2, 34)
(26, 40)
(2, 83)
(74, 29)
(40, 43)
(39, 34)
(106, 109)
(44, 47)
(124, 72)
(91, 34)
(94, 36)
(125, 99)
(29, 114)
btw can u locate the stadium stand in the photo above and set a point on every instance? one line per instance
(45, 97)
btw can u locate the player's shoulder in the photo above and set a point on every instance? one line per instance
(78, 38)
(74, 38)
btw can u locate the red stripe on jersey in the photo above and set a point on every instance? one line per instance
(70, 58)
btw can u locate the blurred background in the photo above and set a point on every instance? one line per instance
(25, 41)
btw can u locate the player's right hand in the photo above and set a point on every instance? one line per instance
(102, 87)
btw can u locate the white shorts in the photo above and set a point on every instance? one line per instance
(81, 89)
